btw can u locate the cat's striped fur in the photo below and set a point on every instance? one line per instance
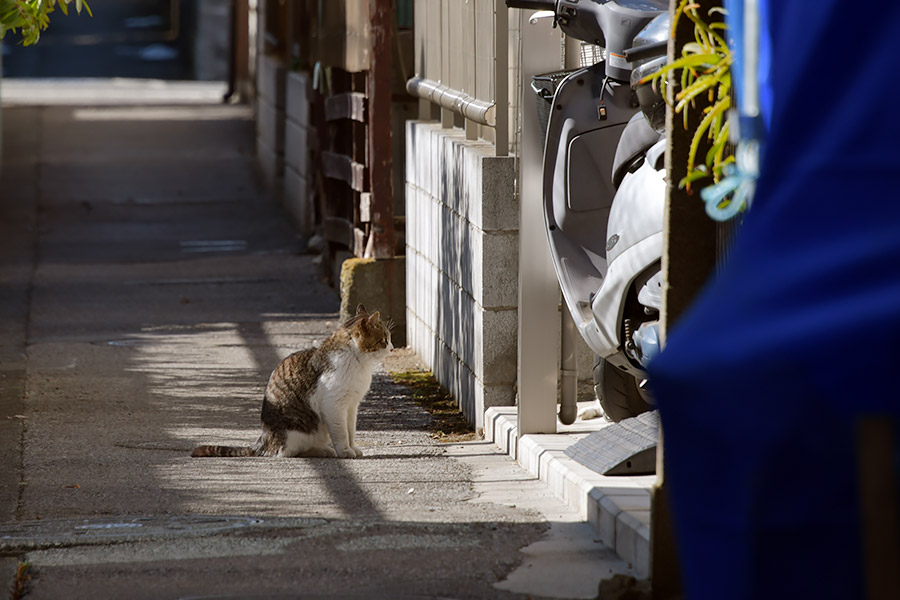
(311, 401)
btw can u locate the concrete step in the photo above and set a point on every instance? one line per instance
(618, 507)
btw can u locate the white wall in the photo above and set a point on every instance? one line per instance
(462, 264)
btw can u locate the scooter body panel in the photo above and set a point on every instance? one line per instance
(587, 118)
(634, 242)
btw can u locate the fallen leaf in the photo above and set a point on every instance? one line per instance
(74, 486)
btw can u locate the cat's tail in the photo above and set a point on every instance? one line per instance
(204, 451)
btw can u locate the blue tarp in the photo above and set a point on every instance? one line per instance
(763, 380)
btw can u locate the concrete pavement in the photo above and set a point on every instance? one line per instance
(148, 288)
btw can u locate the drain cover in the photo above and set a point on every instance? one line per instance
(32, 535)
(624, 448)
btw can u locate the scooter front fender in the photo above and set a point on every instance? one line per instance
(610, 300)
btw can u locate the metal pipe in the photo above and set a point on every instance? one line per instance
(459, 102)
(568, 377)
(568, 369)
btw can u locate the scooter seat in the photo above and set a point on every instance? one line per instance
(636, 139)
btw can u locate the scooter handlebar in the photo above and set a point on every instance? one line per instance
(648, 51)
(532, 4)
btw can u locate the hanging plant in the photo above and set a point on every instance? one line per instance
(32, 16)
(703, 71)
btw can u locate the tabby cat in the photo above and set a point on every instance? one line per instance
(311, 400)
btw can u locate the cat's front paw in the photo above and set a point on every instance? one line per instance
(357, 450)
(347, 452)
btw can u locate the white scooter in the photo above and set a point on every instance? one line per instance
(604, 190)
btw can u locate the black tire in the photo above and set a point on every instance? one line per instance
(618, 392)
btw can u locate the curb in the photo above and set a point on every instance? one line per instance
(617, 507)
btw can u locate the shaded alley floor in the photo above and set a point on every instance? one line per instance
(147, 288)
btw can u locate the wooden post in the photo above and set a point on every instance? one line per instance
(879, 499)
(380, 150)
(689, 258)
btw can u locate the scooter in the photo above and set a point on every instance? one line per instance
(603, 173)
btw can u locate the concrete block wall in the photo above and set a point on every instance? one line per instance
(298, 135)
(270, 121)
(462, 265)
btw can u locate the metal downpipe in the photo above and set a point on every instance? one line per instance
(568, 403)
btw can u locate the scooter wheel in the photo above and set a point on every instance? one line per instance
(618, 392)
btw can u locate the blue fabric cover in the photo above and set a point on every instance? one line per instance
(735, 20)
(762, 382)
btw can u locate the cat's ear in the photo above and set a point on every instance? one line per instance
(361, 310)
(375, 317)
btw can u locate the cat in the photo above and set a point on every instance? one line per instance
(311, 401)
(595, 411)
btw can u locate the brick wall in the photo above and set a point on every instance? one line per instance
(462, 265)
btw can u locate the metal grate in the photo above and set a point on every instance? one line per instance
(591, 54)
(544, 87)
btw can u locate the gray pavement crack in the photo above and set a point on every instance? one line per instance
(20, 494)
(29, 298)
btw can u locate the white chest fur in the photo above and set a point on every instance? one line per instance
(347, 379)
(339, 390)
